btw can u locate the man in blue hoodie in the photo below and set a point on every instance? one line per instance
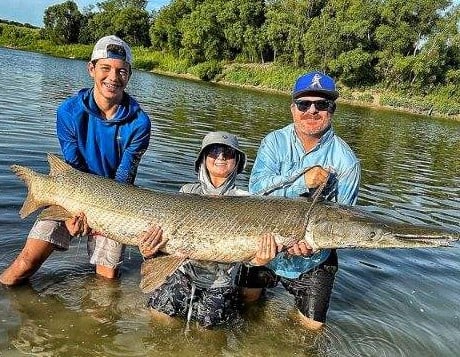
(103, 131)
(307, 158)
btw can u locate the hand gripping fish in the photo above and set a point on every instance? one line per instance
(213, 228)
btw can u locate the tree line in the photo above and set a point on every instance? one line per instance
(397, 44)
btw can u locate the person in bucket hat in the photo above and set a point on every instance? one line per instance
(222, 138)
(211, 286)
(101, 130)
(303, 159)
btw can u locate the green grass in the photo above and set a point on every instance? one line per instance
(440, 102)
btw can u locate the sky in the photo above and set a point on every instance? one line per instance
(32, 11)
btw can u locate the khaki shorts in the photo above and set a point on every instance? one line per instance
(101, 250)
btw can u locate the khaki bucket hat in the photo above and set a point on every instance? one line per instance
(223, 138)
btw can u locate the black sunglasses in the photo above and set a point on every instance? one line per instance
(215, 150)
(304, 105)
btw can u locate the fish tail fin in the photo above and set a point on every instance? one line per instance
(154, 271)
(31, 204)
(57, 165)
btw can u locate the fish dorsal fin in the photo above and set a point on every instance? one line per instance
(57, 165)
(55, 213)
(155, 271)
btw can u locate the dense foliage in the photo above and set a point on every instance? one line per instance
(398, 44)
(408, 47)
(65, 24)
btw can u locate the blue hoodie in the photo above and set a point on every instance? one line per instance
(111, 148)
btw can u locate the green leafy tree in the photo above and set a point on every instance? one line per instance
(202, 35)
(439, 57)
(127, 19)
(86, 35)
(347, 46)
(132, 24)
(165, 32)
(354, 67)
(275, 30)
(62, 23)
(287, 21)
(404, 26)
(241, 21)
(411, 44)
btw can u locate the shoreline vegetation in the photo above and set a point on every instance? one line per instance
(270, 77)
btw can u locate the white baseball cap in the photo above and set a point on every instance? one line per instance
(112, 47)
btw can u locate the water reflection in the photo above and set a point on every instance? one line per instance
(394, 303)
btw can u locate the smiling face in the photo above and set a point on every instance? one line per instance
(310, 123)
(110, 79)
(220, 163)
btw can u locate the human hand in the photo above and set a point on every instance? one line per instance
(151, 241)
(316, 176)
(78, 225)
(267, 250)
(301, 248)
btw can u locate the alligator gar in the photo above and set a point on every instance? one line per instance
(213, 228)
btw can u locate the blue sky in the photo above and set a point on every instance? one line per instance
(31, 11)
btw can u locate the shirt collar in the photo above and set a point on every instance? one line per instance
(325, 138)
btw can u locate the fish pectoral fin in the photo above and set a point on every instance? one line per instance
(55, 213)
(154, 271)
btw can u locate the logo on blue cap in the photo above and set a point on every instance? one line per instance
(315, 83)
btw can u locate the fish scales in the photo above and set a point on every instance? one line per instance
(217, 228)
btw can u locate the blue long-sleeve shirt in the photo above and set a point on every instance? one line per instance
(278, 170)
(110, 148)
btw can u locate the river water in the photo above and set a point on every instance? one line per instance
(384, 303)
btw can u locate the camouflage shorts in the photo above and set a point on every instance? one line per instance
(101, 250)
(256, 277)
(210, 307)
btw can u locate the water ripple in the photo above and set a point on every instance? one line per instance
(385, 302)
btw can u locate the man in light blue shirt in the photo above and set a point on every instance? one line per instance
(295, 161)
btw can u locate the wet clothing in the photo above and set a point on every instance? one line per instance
(210, 306)
(101, 250)
(279, 170)
(312, 289)
(106, 147)
(210, 285)
(110, 148)
(256, 277)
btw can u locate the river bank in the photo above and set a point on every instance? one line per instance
(270, 77)
(232, 76)
(246, 76)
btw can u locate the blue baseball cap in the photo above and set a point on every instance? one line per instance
(315, 83)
